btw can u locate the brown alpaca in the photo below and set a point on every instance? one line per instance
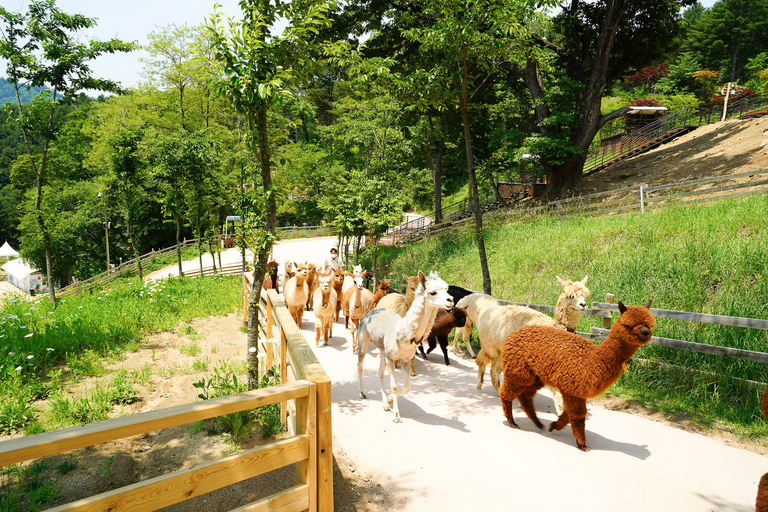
(382, 290)
(358, 300)
(296, 293)
(312, 284)
(324, 308)
(537, 355)
(445, 322)
(270, 280)
(761, 504)
(337, 280)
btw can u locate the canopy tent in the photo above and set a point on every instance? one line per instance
(24, 277)
(7, 251)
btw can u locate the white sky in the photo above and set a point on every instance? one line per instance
(132, 20)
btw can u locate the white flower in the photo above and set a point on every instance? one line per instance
(79, 307)
(18, 368)
(49, 349)
(10, 354)
(30, 357)
(27, 314)
(252, 349)
(29, 336)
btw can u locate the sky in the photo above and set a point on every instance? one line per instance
(132, 20)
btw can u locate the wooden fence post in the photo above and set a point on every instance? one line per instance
(642, 198)
(607, 321)
(324, 447)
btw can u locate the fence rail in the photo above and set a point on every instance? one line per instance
(178, 486)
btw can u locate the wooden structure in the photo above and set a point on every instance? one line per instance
(171, 488)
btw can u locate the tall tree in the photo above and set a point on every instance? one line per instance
(42, 48)
(595, 44)
(253, 69)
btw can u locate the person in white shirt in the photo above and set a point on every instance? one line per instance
(334, 262)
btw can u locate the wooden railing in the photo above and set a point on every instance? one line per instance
(280, 330)
(155, 493)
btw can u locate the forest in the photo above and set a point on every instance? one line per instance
(354, 114)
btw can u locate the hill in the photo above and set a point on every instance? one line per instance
(8, 94)
(730, 147)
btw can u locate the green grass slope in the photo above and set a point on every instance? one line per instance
(709, 258)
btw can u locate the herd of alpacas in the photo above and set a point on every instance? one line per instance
(529, 349)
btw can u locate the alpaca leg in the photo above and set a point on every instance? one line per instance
(423, 354)
(467, 335)
(443, 340)
(413, 366)
(318, 328)
(526, 402)
(384, 397)
(576, 411)
(512, 388)
(346, 317)
(362, 350)
(393, 385)
(761, 504)
(496, 372)
(481, 362)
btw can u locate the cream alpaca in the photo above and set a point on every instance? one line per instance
(324, 308)
(297, 293)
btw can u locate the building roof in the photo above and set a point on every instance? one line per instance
(7, 251)
(19, 268)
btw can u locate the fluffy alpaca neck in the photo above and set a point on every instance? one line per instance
(358, 298)
(612, 353)
(300, 280)
(326, 297)
(419, 318)
(565, 316)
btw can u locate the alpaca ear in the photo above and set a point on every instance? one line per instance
(622, 308)
(648, 306)
(422, 279)
(406, 277)
(584, 281)
(560, 280)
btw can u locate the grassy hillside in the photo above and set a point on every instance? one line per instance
(708, 258)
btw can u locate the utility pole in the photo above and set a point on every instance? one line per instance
(106, 228)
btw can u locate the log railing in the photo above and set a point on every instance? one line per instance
(171, 488)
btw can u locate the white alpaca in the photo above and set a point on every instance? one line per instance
(495, 324)
(349, 281)
(324, 307)
(475, 304)
(398, 337)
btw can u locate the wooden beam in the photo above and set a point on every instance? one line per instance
(294, 499)
(50, 443)
(733, 321)
(165, 490)
(701, 348)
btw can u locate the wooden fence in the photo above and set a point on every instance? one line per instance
(635, 198)
(171, 488)
(289, 232)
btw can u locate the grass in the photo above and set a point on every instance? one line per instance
(709, 258)
(84, 334)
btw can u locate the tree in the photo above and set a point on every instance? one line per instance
(253, 69)
(592, 45)
(42, 49)
(728, 34)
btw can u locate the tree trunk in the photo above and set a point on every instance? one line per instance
(213, 256)
(373, 261)
(178, 242)
(129, 230)
(473, 194)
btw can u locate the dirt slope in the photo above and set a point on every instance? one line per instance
(730, 147)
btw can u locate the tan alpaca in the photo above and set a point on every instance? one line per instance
(324, 308)
(497, 323)
(297, 292)
(475, 304)
(312, 284)
(357, 302)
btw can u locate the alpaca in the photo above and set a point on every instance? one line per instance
(400, 303)
(289, 273)
(537, 355)
(324, 308)
(270, 279)
(312, 284)
(357, 302)
(349, 280)
(444, 324)
(397, 337)
(338, 282)
(475, 304)
(761, 505)
(296, 293)
(496, 323)
(382, 290)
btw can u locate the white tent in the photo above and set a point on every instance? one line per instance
(23, 276)
(7, 251)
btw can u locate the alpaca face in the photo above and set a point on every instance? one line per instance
(357, 270)
(311, 269)
(325, 282)
(435, 290)
(338, 276)
(358, 283)
(300, 269)
(638, 322)
(575, 293)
